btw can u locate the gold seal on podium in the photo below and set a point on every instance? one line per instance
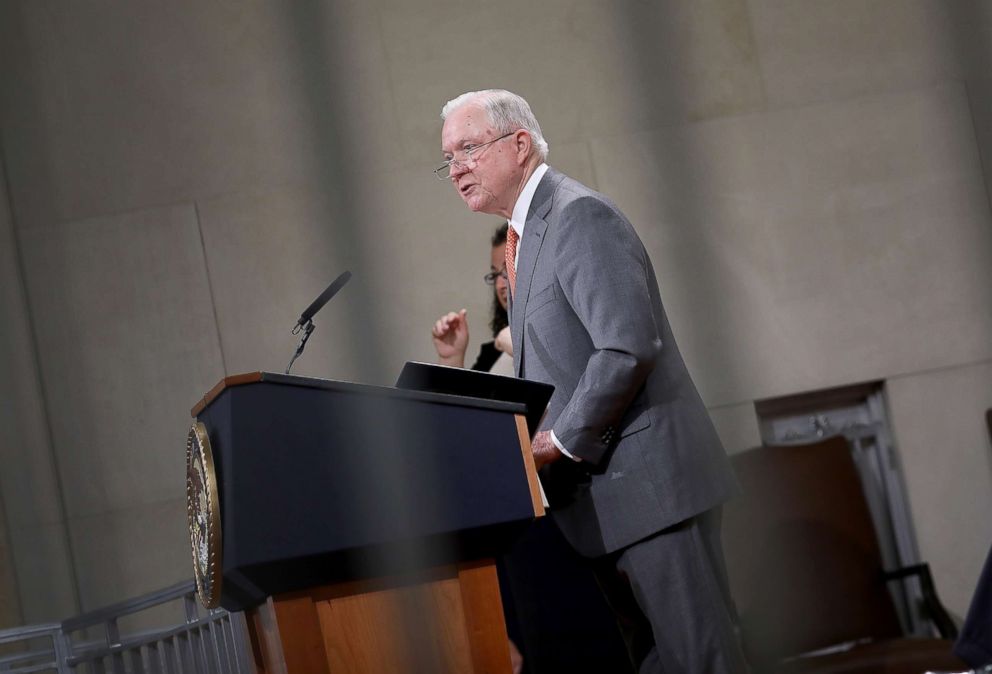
(203, 514)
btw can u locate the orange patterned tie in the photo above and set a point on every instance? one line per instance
(511, 256)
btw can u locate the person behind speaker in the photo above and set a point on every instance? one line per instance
(450, 331)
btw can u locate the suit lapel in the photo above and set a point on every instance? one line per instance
(529, 249)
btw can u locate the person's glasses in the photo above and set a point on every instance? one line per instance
(491, 277)
(468, 155)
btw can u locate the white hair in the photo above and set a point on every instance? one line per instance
(506, 111)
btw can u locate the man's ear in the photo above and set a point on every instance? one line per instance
(523, 144)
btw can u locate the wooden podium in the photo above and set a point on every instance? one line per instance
(357, 525)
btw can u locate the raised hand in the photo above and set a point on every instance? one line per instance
(450, 334)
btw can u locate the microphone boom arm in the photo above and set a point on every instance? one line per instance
(307, 330)
(306, 319)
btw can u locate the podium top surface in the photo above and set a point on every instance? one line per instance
(362, 389)
(428, 377)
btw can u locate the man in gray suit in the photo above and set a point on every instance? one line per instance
(634, 470)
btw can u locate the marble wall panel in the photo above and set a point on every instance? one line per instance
(737, 426)
(575, 160)
(29, 485)
(980, 100)
(829, 51)
(133, 551)
(10, 601)
(939, 423)
(46, 574)
(144, 104)
(817, 246)
(30, 495)
(127, 342)
(270, 254)
(587, 67)
(23, 70)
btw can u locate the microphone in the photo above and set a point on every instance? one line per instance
(306, 318)
(323, 299)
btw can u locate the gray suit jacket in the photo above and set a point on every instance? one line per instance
(586, 316)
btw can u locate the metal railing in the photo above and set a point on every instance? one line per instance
(38, 648)
(197, 642)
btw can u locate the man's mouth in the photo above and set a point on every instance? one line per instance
(464, 189)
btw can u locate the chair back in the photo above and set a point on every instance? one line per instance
(802, 556)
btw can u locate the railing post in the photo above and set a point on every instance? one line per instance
(191, 608)
(62, 645)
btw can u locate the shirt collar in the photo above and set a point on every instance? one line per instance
(521, 208)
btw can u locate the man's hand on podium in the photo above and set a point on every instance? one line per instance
(544, 449)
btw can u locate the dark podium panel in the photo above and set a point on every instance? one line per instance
(343, 505)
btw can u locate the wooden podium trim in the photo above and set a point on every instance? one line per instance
(233, 380)
(484, 617)
(529, 465)
(286, 638)
(456, 627)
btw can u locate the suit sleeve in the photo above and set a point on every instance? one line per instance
(602, 269)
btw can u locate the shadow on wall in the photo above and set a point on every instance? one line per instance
(971, 23)
(671, 91)
(325, 74)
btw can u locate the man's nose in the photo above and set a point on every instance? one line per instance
(457, 169)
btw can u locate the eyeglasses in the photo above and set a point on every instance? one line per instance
(491, 277)
(443, 172)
